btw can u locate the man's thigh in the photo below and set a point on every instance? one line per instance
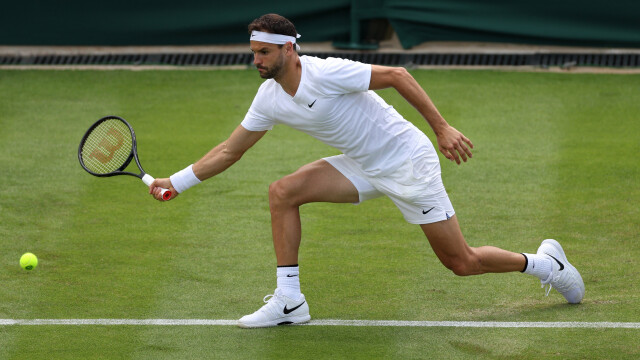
(319, 181)
(352, 172)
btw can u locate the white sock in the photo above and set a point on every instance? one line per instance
(288, 280)
(538, 266)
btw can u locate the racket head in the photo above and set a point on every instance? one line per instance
(108, 147)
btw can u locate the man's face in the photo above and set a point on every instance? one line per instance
(268, 58)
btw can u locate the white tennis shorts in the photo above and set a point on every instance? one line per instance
(415, 187)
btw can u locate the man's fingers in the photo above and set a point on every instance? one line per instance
(455, 156)
(156, 192)
(455, 146)
(467, 141)
(457, 153)
(451, 154)
(158, 185)
(465, 151)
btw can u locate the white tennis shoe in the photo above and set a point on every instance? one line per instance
(279, 310)
(564, 277)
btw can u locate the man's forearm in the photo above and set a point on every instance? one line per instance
(215, 161)
(415, 95)
(227, 153)
(452, 143)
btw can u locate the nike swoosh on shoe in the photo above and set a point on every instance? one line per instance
(288, 311)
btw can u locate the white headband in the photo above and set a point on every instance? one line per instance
(277, 39)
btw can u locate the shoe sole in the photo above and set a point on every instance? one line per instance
(293, 320)
(556, 245)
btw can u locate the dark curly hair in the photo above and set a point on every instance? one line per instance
(273, 23)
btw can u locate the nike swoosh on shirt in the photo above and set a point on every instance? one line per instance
(287, 311)
(311, 105)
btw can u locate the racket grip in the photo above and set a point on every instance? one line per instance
(148, 180)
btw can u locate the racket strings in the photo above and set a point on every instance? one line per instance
(108, 147)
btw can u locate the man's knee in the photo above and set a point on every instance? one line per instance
(282, 192)
(277, 191)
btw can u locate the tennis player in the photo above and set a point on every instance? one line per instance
(382, 155)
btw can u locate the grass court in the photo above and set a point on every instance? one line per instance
(555, 157)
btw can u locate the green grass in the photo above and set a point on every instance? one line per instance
(555, 157)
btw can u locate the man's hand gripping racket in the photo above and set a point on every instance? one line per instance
(108, 147)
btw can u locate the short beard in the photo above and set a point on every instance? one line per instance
(274, 71)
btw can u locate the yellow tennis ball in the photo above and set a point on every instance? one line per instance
(28, 261)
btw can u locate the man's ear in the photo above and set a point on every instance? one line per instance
(289, 47)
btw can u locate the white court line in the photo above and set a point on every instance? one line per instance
(381, 323)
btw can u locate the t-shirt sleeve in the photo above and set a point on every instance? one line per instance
(258, 116)
(345, 76)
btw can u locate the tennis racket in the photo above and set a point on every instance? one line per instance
(108, 147)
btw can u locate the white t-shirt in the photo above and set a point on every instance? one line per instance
(333, 104)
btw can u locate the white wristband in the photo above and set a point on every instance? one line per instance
(184, 179)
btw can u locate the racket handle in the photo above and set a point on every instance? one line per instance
(148, 180)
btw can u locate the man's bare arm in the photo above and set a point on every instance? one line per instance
(226, 153)
(215, 161)
(451, 142)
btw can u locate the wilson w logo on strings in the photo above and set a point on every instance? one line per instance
(108, 146)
